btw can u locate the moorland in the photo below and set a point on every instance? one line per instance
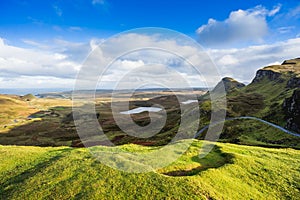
(40, 146)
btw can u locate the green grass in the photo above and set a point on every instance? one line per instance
(255, 133)
(235, 172)
(262, 99)
(58, 108)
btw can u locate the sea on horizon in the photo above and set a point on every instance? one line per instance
(34, 91)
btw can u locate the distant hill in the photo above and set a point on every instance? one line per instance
(273, 95)
(28, 97)
(228, 84)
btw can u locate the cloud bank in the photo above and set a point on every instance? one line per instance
(242, 63)
(55, 64)
(242, 26)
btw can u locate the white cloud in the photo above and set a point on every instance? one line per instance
(285, 29)
(252, 58)
(273, 63)
(57, 10)
(16, 62)
(242, 26)
(57, 64)
(153, 57)
(36, 82)
(98, 2)
(275, 10)
(75, 28)
(228, 60)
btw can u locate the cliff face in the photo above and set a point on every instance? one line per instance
(269, 74)
(288, 70)
(275, 84)
(293, 83)
(292, 109)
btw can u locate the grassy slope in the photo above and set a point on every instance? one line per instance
(13, 102)
(252, 132)
(44, 130)
(66, 173)
(13, 110)
(261, 99)
(245, 102)
(268, 94)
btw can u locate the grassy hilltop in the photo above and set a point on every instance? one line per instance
(228, 172)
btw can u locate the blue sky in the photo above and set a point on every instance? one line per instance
(66, 29)
(81, 19)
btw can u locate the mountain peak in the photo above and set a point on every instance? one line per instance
(229, 84)
(229, 79)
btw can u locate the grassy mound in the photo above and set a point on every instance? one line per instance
(67, 173)
(28, 97)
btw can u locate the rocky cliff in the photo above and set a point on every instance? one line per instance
(289, 70)
(269, 74)
(294, 82)
(278, 87)
(292, 109)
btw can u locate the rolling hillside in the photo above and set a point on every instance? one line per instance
(228, 172)
(273, 95)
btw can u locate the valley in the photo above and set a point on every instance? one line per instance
(256, 156)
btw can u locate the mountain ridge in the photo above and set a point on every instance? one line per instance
(273, 96)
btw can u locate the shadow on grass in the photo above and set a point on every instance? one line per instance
(7, 187)
(215, 159)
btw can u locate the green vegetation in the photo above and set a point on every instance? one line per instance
(12, 110)
(287, 66)
(252, 132)
(36, 122)
(263, 98)
(228, 84)
(267, 168)
(28, 97)
(235, 172)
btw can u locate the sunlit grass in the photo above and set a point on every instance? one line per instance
(66, 173)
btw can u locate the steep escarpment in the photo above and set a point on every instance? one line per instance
(269, 74)
(294, 82)
(275, 89)
(274, 96)
(289, 70)
(292, 109)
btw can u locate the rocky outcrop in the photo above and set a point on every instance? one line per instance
(269, 74)
(289, 71)
(295, 61)
(291, 107)
(294, 83)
